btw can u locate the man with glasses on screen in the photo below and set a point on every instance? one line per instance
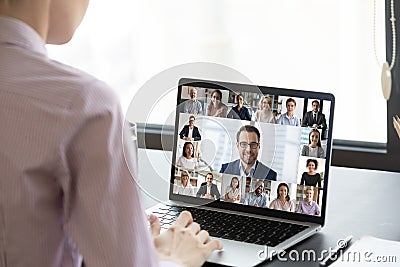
(248, 145)
(193, 106)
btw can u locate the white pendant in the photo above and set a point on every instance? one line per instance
(386, 81)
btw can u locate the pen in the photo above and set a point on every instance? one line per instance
(342, 244)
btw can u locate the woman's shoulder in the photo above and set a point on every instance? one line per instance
(273, 202)
(83, 85)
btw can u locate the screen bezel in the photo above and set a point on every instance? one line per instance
(264, 90)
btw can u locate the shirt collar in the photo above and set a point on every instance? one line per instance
(18, 33)
(287, 116)
(251, 172)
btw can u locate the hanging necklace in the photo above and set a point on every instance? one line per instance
(386, 77)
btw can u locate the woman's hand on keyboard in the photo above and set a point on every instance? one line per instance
(184, 242)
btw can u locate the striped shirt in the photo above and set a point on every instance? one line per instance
(65, 188)
(193, 107)
(284, 119)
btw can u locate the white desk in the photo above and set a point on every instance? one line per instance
(360, 202)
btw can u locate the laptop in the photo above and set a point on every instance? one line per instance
(251, 163)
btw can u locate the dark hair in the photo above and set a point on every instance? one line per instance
(218, 92)
(237, 96)
(249, 129)
(315, 101)
(191, 116)
(315, 162)
(319, 137)
(290, 100)
(212, 175)
(237, 179)
(277, 191)
(184, 149)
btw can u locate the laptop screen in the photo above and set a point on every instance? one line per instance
(258, 149)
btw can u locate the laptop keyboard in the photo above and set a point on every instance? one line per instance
(233, 226)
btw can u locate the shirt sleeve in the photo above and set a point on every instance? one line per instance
(279, 120)
(304, 150)
(246, 200)
(303, 180)
(200, 108)
(186, 107)
(248, 116)
(179, 162)
(292, 205)
(182, 133)
(320, 152)
(299, 209)
(103, 216)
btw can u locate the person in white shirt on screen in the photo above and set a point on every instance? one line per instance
(193, 106)
(282, 202)
(264, 114)
(188, 161)
(233, 191)
(66, 191)
(216, 108)
(190, 132)
(184, 187)
(289, 118)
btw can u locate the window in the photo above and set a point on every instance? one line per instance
(310, 45)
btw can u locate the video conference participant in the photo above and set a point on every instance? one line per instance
(188, 161)
(209, 190)
(283, 202)
(184, 187)
(289, 118)
(264, 114)
(233, 191)
(239, 111)
(248, 145)
(190, 132)
(308, 205)
(311, 178)
(314, 118)
(257, 198)
(193, 106)
(216, 108)
(314, 148)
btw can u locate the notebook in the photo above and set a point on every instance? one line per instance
(251, 163)
(369, 251)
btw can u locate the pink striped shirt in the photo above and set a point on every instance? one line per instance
(65, 189)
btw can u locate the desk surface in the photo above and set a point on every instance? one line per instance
(360, 202)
